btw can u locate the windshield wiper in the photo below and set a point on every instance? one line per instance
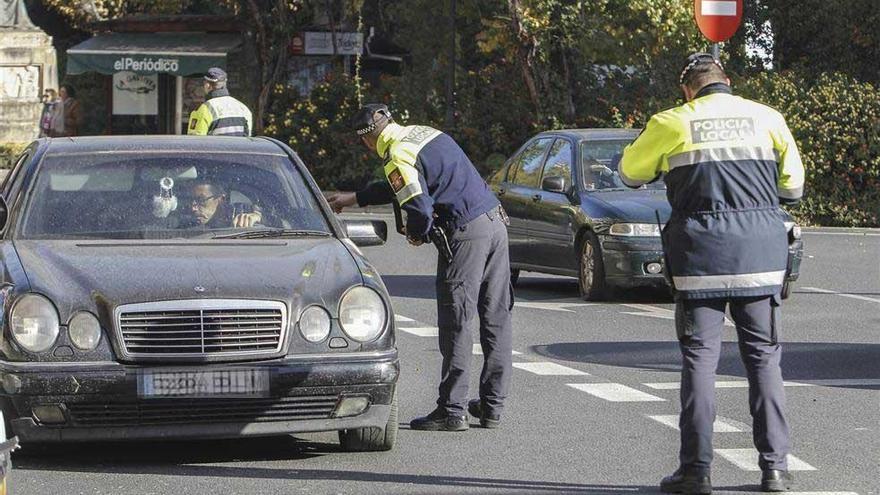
(266, 233)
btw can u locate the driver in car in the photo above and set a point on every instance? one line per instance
(209, 208)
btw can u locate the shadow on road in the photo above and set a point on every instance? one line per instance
(801, 361)
(527, 288)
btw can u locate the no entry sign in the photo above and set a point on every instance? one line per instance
(718, 20)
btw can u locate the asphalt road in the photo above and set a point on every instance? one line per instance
(594, 397)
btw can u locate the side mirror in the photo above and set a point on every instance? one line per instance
(366, 232)
(601, 169)
(4, 213)
(554, 184)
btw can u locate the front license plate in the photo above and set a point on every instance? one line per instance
(215, 383)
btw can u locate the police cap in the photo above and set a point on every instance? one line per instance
(363, 122)
(215, 74)
(695, 60)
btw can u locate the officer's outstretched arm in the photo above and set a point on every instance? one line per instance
(791, 168)
(376, 193)
(642, 160)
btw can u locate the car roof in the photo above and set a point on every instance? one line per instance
(160, 143)
(594, 134)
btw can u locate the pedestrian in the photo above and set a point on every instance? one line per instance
(49, 101)
(220, 114)
(67, 117)
(433, 180)
(728, 163)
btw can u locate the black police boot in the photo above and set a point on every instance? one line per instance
(439, 420)
(475, 407)
(776, 480)
(688, 483)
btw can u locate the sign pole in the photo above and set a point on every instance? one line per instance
(716, 51)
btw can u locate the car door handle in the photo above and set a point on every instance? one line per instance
(536, 197)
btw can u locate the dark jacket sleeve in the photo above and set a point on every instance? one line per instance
(419, 213)
(376, 193)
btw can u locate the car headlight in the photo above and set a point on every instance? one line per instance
(34, 323)
(314, 324)
(635, 229)
(362, 314)
(84, 330)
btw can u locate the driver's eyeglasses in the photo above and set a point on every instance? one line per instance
(202, 202)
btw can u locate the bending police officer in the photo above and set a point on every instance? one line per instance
(728, 163)
(433, 180)
(220, 114)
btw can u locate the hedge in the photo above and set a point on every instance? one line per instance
(9, 152)
(836, 123)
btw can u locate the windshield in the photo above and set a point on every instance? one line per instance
(599, 160)
(153, 195)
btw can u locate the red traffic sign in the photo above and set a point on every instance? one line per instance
(718, 20)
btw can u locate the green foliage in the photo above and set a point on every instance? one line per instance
(9, 152)
(836, 123)
(317, 128)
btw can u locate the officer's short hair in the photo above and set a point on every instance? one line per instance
(700, 70)
(371, 119)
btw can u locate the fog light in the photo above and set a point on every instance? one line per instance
(11, 383)
(50, 414)
(351, 406)
(653, 268)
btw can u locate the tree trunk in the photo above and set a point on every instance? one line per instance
(262, 46)
(570, 110)
(524, 54)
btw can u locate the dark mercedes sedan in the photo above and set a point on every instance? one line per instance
(187, 287)
(570, 214)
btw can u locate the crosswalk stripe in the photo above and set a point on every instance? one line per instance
(615, 392)
(822, 493)
(403, 319)
(548, 368)
(747, 460)
(721, 425)
(478, 351)
(421, 331)
(720, 384)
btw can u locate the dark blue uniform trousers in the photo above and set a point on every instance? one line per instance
(699, 324)
(474, 289)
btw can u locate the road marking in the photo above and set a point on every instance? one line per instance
(721, 425)
(747, 460)
(822, 493)
(663, 313)
(421, 331)
(856, 382)
(550, 306)
(478, 351)
(720, 384)
(403, 319)
(548, 368)
(841, 294)
(615, 392)
(859, 234)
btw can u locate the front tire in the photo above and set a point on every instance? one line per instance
(591, 270)
(372, 439)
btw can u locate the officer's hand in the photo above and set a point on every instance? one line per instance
(246, 219)
(341, 200)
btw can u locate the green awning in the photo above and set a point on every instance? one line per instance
(178, 54)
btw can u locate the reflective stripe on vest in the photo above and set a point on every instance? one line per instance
(229, 117)
(722, 282)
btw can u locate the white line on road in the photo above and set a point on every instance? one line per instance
(421, 331)
(854, 382)
(721, 425)
(548, 368)
(550, 306)
(615, 392)
(403, 319)
(478, 351)
(719, 384)
(655, 312)
(841, 294)
(822, 493)
(747, 460)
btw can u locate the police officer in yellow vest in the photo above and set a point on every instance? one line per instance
(728, 163)
(220, 114)
(433, 180)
